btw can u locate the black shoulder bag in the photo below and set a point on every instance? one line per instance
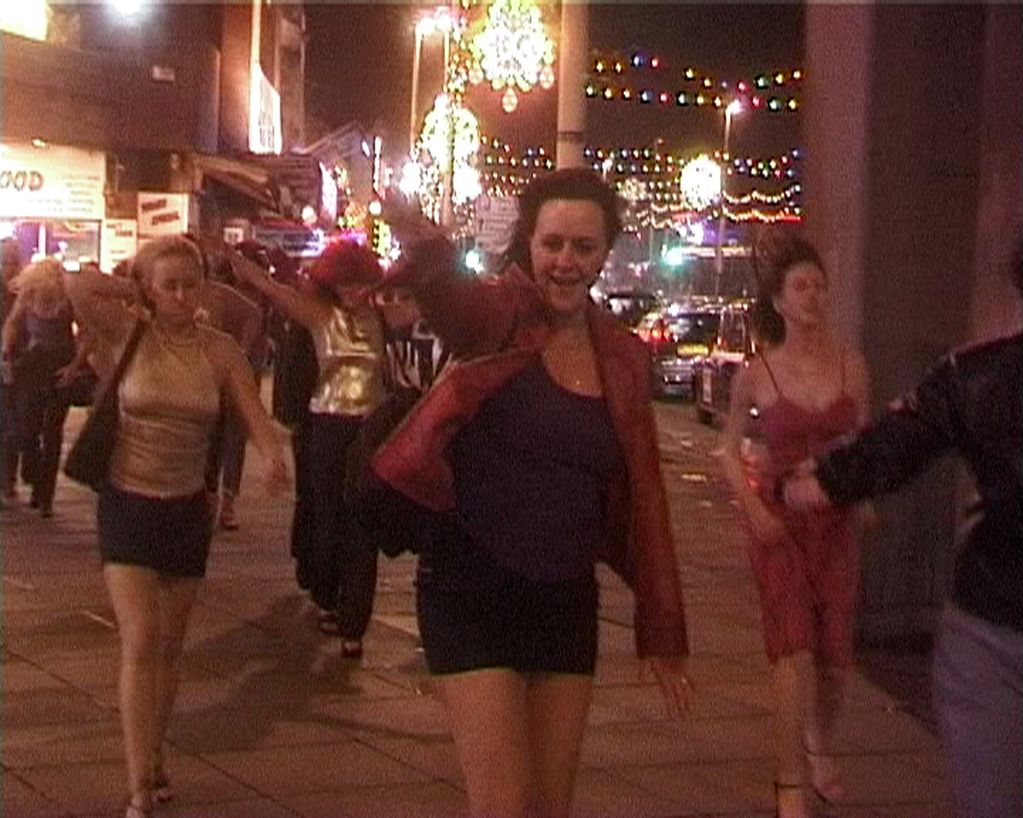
(88, 462)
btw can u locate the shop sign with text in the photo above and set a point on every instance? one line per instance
(51, 182)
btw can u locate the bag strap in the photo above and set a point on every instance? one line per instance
(125, 359)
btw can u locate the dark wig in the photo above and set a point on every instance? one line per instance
(774, 254)
(573, 184)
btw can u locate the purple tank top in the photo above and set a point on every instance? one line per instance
(531, 473)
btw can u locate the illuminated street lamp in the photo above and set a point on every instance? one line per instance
(734, 108)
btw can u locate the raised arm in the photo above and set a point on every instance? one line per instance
(472, 316)
(102, 302)
(295, 305)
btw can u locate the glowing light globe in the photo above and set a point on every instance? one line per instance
(700, 182)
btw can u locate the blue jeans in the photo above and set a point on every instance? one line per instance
(978, 685)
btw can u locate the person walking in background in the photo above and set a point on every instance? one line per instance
(295, 374)
(348, 338)
(809, 391)
(10, 260)
(542, 442)
(243, 318)
(39, 345)
(970, 404)
(152, 516)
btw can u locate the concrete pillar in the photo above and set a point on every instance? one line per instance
(572, 57)
(913, 194)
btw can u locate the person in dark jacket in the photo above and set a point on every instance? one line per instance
(971, 404)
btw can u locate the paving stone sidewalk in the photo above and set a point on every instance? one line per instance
(271, 721)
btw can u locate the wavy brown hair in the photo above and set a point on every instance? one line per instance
(573, 184)
(775, 253)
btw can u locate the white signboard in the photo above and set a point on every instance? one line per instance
(296, 242)
(495, 216)
(51, 182)
(119, 241)
(162, 214)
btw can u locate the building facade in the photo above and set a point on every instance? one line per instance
(175, 113)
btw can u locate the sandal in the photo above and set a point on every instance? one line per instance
(162, 792)
(828, 789)
(351, 649)
(779, 788)
(326, 622)
(133, 810)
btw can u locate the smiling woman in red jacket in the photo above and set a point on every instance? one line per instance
(542, 441)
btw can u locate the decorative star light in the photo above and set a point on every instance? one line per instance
(436, 143)
(513, 50)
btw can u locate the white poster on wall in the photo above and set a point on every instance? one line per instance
(119, 241)
(51, 182)
(495, 217)
(162, 214)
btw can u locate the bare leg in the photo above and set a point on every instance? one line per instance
(819, 733)
(793, 677)
(177, 598)
(488, 716)
(134, 595)
(557, 706)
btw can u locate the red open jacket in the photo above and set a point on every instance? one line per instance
(496, 327)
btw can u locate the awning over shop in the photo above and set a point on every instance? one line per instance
(249, 180)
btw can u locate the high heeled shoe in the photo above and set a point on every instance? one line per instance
(779, 788)
(133, 810)
(828, 788)
(162, 792)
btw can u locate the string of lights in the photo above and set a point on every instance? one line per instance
(614, 63)
(609, 92)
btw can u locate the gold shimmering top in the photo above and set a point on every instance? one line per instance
(350, 355)
(169, 404)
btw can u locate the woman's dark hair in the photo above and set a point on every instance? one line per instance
(574, 184)
(774, 254)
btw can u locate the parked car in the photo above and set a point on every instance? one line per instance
(677, 338)
(734, 346)
(630, 306)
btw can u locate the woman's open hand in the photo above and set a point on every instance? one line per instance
(670, 675)
(278, 478)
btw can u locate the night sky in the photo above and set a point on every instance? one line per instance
(359, 67)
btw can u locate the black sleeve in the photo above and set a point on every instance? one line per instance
(917, 429)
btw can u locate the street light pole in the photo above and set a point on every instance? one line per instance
(413, 115)
(734, 107)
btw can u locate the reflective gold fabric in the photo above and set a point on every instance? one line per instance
(350, 355)
(169, 403)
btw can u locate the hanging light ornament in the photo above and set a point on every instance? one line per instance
(449, 125)
(513, 50)
(700, 182)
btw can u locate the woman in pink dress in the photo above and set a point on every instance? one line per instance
(810, 391)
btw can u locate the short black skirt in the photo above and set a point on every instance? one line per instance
(170, 536)
(475, 614)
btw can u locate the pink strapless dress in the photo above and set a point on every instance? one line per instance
(809, 583)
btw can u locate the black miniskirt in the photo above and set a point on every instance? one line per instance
(170, 536)
(474, 613)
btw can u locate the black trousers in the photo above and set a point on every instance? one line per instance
(41, 412)
(344, 563)
(302, 518)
